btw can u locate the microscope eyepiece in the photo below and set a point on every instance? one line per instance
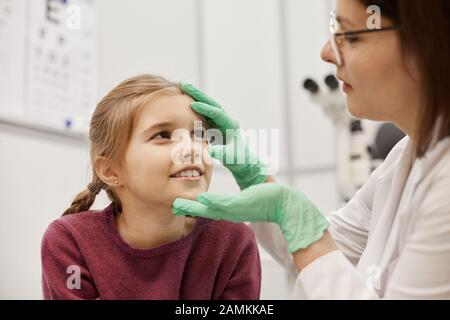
(356, 126)
(332, 82)
(310, 85)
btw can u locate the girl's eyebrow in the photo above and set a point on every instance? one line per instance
(166, 124)
(159, 125)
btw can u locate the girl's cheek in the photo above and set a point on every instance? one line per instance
(158, 156)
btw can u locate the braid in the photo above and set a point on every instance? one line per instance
(84, 200)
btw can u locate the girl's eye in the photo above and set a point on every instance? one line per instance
(199, 134)
(161, 135)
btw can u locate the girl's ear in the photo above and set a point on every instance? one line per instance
(106, 172)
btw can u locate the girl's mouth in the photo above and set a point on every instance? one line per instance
(188, 174)
(187, 178)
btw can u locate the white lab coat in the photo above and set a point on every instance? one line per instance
(393, 236)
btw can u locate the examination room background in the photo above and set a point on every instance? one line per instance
(250, 55)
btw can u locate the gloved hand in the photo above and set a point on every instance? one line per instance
(234, 154)
(300, 221)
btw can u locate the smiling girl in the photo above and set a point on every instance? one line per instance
(136, 248)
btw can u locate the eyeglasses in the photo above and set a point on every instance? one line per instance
(336, 38)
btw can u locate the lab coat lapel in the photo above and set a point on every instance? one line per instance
(383, 235)
(404, 210)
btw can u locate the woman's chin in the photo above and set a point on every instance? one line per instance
(354, 109)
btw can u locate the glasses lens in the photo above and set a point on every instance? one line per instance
(334, 26)
(333, 22)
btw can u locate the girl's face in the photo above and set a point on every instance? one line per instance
(380, 80)
(162, 144)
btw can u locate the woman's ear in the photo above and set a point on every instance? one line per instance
(106, 172)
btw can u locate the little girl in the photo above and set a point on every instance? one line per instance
(136, 248)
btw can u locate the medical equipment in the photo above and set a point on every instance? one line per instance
(48, 65)
(357, 152)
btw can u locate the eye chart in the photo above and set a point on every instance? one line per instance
(48, 64)
(12, 56)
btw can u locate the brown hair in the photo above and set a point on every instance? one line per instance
(425, 31)
(111, 128)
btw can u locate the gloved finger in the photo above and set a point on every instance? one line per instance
(197, 95)
(217, 152)
(227, 155)
(196, 209)
(182, 207)
(223, 202)
(187, 205)
(217, 115)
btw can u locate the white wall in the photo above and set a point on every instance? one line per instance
(251, 55)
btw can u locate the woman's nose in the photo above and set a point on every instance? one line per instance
(327, 54)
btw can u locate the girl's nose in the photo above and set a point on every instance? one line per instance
(190, 151)
(327, 54)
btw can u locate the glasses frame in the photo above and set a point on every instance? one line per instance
(334, 34)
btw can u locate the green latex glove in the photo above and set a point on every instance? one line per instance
(300, 221)
(234, 154)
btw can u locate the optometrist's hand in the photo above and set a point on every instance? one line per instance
(234, 154)
(301, 223)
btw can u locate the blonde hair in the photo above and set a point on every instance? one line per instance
(111, 128)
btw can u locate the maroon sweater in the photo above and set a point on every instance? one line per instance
(217, 260)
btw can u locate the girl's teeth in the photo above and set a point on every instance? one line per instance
(188, 173)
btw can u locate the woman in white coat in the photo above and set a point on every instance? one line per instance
(392, 240)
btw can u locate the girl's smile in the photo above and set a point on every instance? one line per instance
(188, 173)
